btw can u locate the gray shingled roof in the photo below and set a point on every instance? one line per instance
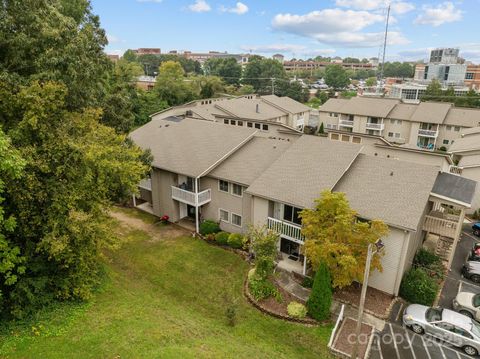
(286, 103)
(470, 161)
(250, 161)
(311, 165)
(362, 106)
(403, 111)
(463, 117)
(431, 112)
(455, 187)
(190, 146)
(391, 190)
(467, 143)
(247, 108)
(470, 131)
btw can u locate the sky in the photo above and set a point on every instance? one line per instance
(294, 28)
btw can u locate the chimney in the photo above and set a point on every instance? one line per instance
(257, 109)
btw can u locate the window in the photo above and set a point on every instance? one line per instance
(390, 134)
(392, 122)
(224, 215)
(239, 123)
(457, 128)
(237, 190)
(345, 138)
(445, 142)
(233, 122)
(249, 124)
(469, 76)
(257, 125)
(236, 220)
(291, 213)
(265, 127)
(357, 140)
(334, 136)
(223, 186)
(399, 122)
(449, 128)
(225, 121)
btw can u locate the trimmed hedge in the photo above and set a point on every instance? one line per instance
(418, 287)
(235, 240)
(222, 238)
(209, 226)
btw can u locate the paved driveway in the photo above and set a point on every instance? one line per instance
(454, 277)
(396, 342)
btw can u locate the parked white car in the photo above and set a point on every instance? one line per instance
(447, 325)
(468, 304)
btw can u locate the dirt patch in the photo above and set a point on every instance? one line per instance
(346, 338)
(276, 306)
(157, 231)
(376, 302)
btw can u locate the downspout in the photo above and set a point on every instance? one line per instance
(197, 229)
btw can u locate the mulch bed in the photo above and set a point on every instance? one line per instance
(376, 302)
(346, 338)
(279, 307)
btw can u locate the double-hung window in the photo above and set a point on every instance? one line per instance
(236, 220)
(223, 186)
(237, 190)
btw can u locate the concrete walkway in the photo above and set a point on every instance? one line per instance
(286, 281)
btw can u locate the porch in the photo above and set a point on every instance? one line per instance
(191, 198)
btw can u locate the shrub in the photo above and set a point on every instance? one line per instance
(262, 288)
(297, 310)
(264, 245)
(320, 299)
(209, 226)
(307, 282)
(417, 287)
(210, 237)
(430, 263)
(231, 314)
(235, 240)
(222, 238)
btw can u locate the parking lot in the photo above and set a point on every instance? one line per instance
(396, 342)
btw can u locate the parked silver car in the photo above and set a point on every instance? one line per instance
(447, 325)
(468, 304)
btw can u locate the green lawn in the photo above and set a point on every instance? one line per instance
(163, 299)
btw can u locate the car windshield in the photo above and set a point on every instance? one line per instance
(476, 329)
(476, 300)
(433, 314)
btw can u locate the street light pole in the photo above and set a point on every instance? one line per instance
(366, 274)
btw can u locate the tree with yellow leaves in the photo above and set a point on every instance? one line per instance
(334, 234)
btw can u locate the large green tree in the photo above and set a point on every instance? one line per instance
(336, 77)
(260, 73)
(292, 89)
(335, 236)
(172, 86)
(226, 68)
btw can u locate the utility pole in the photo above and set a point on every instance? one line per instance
(366, 274)
(382, 68)
(273, 85)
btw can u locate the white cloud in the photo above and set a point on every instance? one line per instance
(441, 14)
(239, 9)
(199, 6)
(398, 7)
(112, 39)
(337, 27)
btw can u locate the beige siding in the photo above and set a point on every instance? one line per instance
(259, 211)
(227, 202)
(474, 174)
(391, 262)
(162, 194)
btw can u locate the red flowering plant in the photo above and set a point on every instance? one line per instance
(164, 218)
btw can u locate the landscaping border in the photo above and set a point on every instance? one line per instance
(307, 321)
(384, 316)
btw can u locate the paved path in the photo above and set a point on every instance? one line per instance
(286, 281)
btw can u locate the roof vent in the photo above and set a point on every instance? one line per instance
(391, 173)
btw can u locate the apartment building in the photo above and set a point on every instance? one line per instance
(427, 125)
(259, 112)
(237, 176)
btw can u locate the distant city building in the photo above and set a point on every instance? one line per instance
(146, 82)
(444, 56)
(279, 57)
(413, 91)
(298, 65)
(114, 58)
(147, 51)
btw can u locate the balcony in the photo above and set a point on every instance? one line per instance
(285, 229)
(375, 126)
(456, 170)
(346, 123)
(428, 133)
(191, 198)
(441, 224)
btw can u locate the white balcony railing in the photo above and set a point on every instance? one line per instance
(440, 226)
(456, 170)
(285, 229)
(191, 198)
(375, 126)
(428, 133)
(300, 122)
(346, 123)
